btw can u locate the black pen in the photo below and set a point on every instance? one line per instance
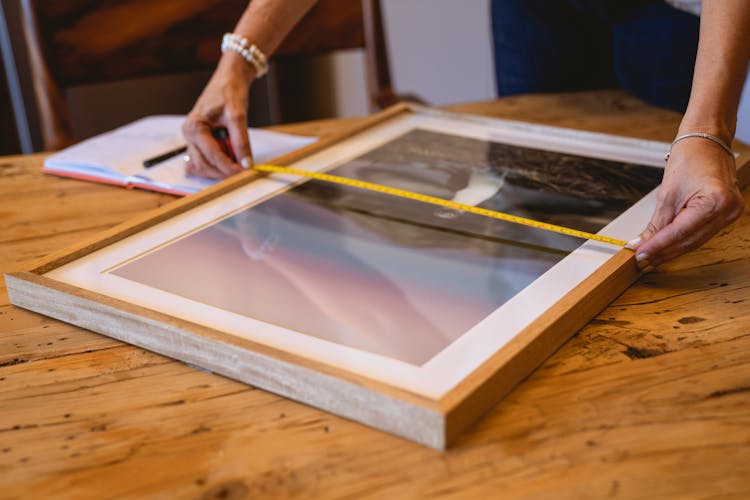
(163, 157)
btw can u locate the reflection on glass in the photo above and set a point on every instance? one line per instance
(392, 276)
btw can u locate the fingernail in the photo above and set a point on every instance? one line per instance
(641, 260)
(633, 243)
(246, 162)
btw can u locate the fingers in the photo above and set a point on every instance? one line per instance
(704, 215)
(223, 103)
(196, 164)
(207, 159)
(698, 197)
(662, 242)
(241, 142)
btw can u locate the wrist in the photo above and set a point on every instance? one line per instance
(235, 65)
(234, 42)
(715, 123)
(703, 136)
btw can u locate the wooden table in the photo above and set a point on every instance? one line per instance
(651, 399)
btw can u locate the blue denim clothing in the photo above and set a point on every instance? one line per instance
(643, 46)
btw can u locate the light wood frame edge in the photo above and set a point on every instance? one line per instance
(506, 368)
(342, 393)
(418, 418)
(433, 423)
(186, 203)
(496, 377)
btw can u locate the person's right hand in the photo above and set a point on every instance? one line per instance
(223, 103)
(698, 197)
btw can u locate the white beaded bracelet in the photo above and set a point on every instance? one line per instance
(251, 53)
(701, 135)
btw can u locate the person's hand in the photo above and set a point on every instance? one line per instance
(224, 102)
(699, 196)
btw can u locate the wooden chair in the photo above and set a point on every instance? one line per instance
(8, 137)
(91, 41)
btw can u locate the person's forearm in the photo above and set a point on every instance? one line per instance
(224, 100)
(720, 68)
(267, 22)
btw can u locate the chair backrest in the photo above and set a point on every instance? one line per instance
(9, 143)
(90, 41)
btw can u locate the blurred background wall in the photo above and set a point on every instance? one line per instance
(439, 50)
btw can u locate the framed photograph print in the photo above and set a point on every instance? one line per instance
(411, 318)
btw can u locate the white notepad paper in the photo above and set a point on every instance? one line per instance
(117, 157)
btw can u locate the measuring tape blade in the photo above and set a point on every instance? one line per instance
(401, 193)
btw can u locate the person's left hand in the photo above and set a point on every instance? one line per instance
(699, 196)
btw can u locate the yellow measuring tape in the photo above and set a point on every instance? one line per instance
(437, 201)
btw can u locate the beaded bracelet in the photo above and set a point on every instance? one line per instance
(701, 135)
(251, 53)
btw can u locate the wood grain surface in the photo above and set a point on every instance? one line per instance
(433, 422)
(649, 400)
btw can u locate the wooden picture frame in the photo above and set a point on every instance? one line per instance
(429, 402)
